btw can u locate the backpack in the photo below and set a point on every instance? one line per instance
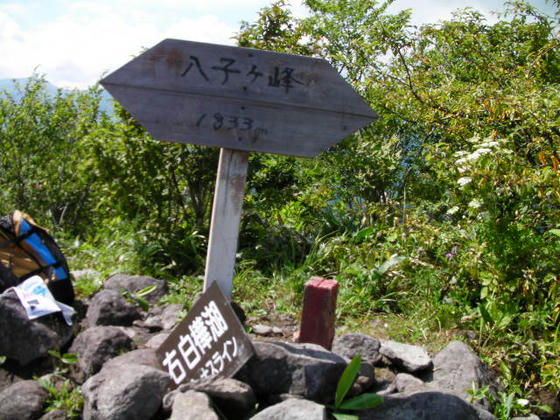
(26, 250)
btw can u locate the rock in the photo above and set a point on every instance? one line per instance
(266, 330)
(22, 401)
(26, 340)
(96, 345)
(54, 415)
(145, 357)
(405, 382)
(162, 318)
(137, 334)
(156, 341)
(425, 405)
(293, 409)
(277, 331)
(302, 369)
(7, 378)
(134, 284)
(235, 399)
(405, 356)
(364, 380)
(171, 316)
(391, 389)
(108, 307)
(192, 405)
(87, 274)
(456, 368)
(278, 398)
(362, 384)
(261, 329)
(130, 332)
(124, 392)
(384, 380)
(151, 323)
(239, 312)
(350, 345)
(366, 377)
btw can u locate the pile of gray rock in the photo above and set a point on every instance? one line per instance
(121, 379)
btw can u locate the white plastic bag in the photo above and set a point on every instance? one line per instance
(38, 301)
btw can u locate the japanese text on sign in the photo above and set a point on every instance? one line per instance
(228, 68)
(209, 342)
(205, 330)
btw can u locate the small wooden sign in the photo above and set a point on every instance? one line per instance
(209, 342)
(239, 98)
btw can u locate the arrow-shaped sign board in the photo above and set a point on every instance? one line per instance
(241, 100)
(238, 98)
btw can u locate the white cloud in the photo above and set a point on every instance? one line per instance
(8, 27)
(196, 5)
(18, 9)
(11, 39)
(90, 38)
(432, 11)
(89, 7)
(208, 28)
(74, 42)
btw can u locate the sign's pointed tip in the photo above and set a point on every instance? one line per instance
(106, 81)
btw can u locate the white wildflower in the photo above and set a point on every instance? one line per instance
(475, 203)
(484, 151)
(474, 155)
(464, 180)
(453, 210)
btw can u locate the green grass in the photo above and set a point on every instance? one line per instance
(418, 282)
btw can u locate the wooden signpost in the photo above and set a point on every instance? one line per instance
(241, 100)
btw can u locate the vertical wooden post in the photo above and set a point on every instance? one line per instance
(226, 216)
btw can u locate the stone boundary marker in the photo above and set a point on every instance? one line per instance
(319, 310)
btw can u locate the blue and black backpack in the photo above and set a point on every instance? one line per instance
(26, 250)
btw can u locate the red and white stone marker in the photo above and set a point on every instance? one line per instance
(319, 310)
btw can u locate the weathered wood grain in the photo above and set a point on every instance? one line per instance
(226, 216)
(238, 98)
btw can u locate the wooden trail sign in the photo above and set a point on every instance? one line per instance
(241, 100)
(209, 342)
(238, 98)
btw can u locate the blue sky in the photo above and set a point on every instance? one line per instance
(73, 42)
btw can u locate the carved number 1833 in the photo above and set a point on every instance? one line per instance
(228, 122)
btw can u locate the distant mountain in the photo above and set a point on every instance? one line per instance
(10, 86)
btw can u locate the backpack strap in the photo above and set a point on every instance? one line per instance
(19, 233)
